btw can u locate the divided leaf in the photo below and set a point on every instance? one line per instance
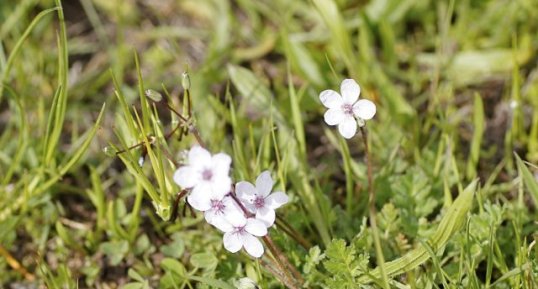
(343, 264)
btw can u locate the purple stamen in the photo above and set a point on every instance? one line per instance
(259, 202)
(207, 174)
(218, 206)
(347, 108)
(239, 230)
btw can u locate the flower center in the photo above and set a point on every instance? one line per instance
(207, 174)
(240, 230)
(347, 109)
(259, 202)
(218, 206)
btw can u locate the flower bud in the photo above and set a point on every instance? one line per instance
(153, 95)
(186, 81)
(110, 151)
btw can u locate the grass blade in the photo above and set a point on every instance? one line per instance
(528, 179)
(478, 124)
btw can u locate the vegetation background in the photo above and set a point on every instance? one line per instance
(456, 84)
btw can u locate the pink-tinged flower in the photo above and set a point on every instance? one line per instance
(345, 110)
(207, 176)
(241, 232)
(222, 210)
(259, 200)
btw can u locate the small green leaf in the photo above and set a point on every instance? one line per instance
(213, 283)
(135, 275)
(174, 249)
(344, 264)
(65, 235)
(174, 266)
(133, 285)
(312, 259)
(115, 251)
(143, 244)
(204, 260)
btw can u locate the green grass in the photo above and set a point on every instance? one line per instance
(453, 146)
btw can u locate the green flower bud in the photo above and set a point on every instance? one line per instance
(110, 151)
(186, 81)
(154, 95)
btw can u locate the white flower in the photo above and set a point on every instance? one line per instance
(343, 109)
(240, 233)
(206, 175)
(259, 199)
(222, 210)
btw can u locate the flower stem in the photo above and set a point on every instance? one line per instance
(175, 207)
(196, 134)
(15, 265)
(372, 211)
(279, 255)
(281, 260)
(290, 231)
(192, 127)
(275, 273)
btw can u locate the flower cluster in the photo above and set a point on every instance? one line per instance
(243, 214)
(344, 110)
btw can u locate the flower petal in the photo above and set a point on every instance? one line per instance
(211, 215)
(220, 186)
(231, 209)
(266, 215)
(232, 241)
(199, 198)
(253, 246)
(275, 200)
(221, 164)
(330, 98)
(364, 109)
(199, 157)
(334, 116)
(250, 207)
(219, 222)
(264, 183)
(237, 220)
(256, 227)
(348, 127)
(186, 177)
(350, 90)
(245, 191)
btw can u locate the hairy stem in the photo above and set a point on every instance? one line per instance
(276, 273)
(276, 251)
(372, 211)
(196, 134)
(290, 231)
